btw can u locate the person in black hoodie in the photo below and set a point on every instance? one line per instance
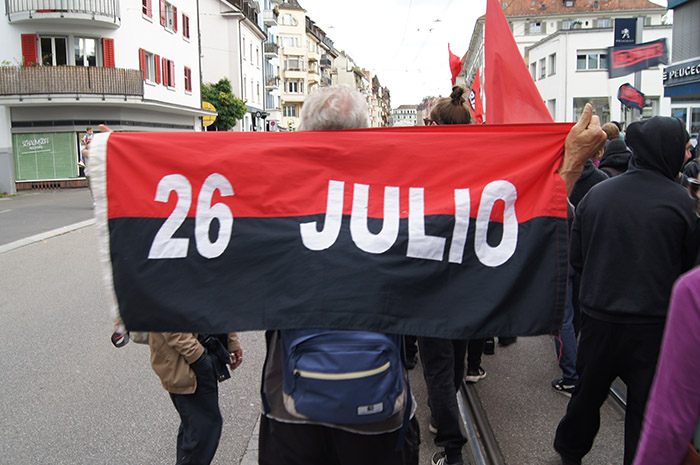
(616, 158)
(632, 236)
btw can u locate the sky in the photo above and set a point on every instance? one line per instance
(402, 42)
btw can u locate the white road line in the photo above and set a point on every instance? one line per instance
(5, 211)
(47, 235)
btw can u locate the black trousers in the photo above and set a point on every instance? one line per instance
(304, 444)
(443, 370)
(606, 351)
(200, 422)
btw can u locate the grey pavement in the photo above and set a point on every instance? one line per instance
(35, 212)
(70, 397)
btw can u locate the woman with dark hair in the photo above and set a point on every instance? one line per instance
(443, 359)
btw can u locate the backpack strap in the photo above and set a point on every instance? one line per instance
(409, 399)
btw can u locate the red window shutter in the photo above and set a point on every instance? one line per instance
(150, 9)
(142, 62)
(157, 61)
(108, 53)
(175, 18)
(165, 72)
(30, 52)
(172, 73)
(162, 12)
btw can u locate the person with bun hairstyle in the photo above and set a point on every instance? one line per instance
(443, 359)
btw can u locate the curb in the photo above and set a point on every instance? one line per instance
(43, 236)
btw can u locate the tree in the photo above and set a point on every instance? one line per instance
(229, 107)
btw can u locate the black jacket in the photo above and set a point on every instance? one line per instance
(590, 176)
(634, 234)
(616, 157)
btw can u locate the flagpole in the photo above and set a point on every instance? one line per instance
(637, 113)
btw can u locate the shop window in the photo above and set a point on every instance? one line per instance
(601, 107)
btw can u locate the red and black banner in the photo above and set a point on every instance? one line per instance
(626, 59)
(630, 96)
(447, 231)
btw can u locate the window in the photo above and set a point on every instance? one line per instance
(288, 20)
(535, 27)
(244, 87)
(543, 68)
(533, 71)
(168, 72)
(257, 95)
(601, 107)
(53, 51)
(290, 40)
(294, 86)
(150, 67)
(85, 51)
(188, 79)
(147, 8)
(604, 22)
(290, 111)
(251, 53)
(552, 107)
(293, 63)
(185, 26)
(552, 64)
(168, 16)
(591, 60)
(257, 56)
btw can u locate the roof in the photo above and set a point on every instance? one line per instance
(552, 7)
(290, 5)
(406, 107)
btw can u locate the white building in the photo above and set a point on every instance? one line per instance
(271, 53)
(405, 115)
(565, 45)
(232, 47)
(132, 66)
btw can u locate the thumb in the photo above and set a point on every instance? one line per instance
(586, 117)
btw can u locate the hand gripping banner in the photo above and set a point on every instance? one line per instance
(447, 231)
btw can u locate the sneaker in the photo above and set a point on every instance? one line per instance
(506, 341)
(432, 425)
(411, 362)
(439, 458)
(475, 375)
(489, 346)
(566, 388)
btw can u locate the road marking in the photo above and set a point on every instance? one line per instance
(5, 211)
(47, 235)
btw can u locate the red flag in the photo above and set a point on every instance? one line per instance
(511, 94)
(476, 108)
(455, 64)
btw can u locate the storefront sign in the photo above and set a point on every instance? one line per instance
(683, 73)
(45, 156)
(625, 31)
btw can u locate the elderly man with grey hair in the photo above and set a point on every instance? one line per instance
(287, 439)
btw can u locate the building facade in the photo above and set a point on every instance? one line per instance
(232, 47)
(66, 68)
(405, 115)
(682, 76)
(565, 46)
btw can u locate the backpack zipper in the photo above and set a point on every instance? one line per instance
(341, 376)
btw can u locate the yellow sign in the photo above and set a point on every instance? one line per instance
(208, 120)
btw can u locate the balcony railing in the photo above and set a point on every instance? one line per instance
(40, 80)
(325, 61)
(89, 10)
(270, 17)
(271, 49)
(272, 82)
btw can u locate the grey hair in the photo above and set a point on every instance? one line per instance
(334, 107)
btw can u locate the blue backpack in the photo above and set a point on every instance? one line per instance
(342, 377)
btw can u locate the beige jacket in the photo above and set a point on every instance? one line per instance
(172, 354)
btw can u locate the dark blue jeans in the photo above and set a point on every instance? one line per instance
(443, 370)
(566, 344)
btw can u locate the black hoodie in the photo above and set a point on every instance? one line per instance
(634, 234)
(616, 157)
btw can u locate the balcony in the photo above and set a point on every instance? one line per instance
(313, 76)
(325, 61)
(270, 17)
(94, 12)
(272, 82)
(271, 49)
(78, 80)
(293, 74)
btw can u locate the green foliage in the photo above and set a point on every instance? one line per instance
(229, 107)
